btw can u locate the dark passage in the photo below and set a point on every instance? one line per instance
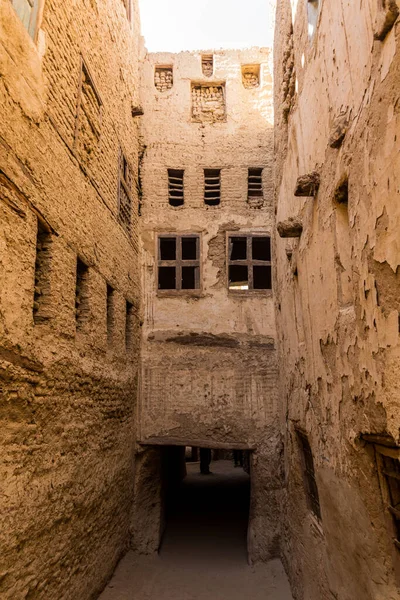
(207, 515)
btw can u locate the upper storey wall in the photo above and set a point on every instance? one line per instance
(229, 127)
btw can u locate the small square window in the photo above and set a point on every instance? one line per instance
(249, 262)
(179, 262)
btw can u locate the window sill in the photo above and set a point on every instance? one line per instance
(250, 293)
(180, 294)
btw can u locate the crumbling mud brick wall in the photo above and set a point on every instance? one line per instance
(337, 73)
(68, 374)
(208, 356)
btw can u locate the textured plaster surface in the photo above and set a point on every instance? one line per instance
(337, 292)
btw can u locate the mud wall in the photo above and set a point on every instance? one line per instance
(208, 358)
(337, 289)
(68, 375)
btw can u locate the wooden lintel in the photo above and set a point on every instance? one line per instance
(173, 441)
(379, 438)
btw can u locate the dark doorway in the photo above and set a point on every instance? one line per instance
(207, 514)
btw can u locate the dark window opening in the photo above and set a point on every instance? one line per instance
(190, 248)
(179, 262)
(110, 314)
(309, 475)
(166, 278)
(167, 248)
(42, 274)
(238, 277)
(189, 278)
(81, 293)
(342, 192)
(238, 250)
(254, 183)
(175, 187)
(212, 186)
(125, 193)
(249, 258)
(262, 279)
(129, 325)
(261, 247)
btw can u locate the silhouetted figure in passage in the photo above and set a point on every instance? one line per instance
(205, 459)
(238, 458)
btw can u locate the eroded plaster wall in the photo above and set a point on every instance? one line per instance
(209, 369)
(337, 289)
(67, 392)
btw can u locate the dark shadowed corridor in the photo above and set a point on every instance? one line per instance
(203, 554)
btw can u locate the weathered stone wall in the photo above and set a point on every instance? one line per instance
(209, 370)
(67, 394)
(337, 289)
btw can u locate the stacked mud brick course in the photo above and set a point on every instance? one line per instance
(67, 423)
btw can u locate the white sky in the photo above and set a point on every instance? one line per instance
(174, 25)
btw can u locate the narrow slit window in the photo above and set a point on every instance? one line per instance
(129, 325)
(212, 186)
(312, 17)
(175, 187)
(28, 11)
(309, 475)
(254, 183)
(179, 262)
(128, 8)
(81, 294)
(249, 262)
(125, 193)
(110, 314)
(42, 274)
(207, 64)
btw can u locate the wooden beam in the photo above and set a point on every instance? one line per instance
(174, 441)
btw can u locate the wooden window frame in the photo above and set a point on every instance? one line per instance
(178, 263)
(249, 261)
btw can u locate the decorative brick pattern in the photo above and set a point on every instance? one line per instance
(163, 78)
(208, 103)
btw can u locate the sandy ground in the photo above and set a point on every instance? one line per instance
(203, 553)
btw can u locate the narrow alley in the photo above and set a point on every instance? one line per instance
(203, 554)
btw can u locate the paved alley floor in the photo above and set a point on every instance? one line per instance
(203, 554)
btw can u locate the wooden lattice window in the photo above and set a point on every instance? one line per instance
(212, 186)
(207, 64)
(28, 11)
(254, 183)
(249, 262)
(125, 193)
(178, 262)
(175, 187)
(309, 475)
